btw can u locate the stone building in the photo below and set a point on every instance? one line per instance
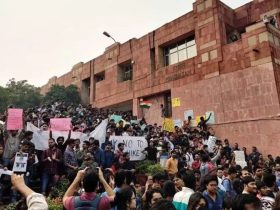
(213, 58)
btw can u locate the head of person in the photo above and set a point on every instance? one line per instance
(95, 144)
(24, 146)
(126, 198)
(126, 156)
(71, 143)
(246, 202)
(91, 140)
(174, 154)
(121, 146)
(270, 180)
(163, 204)
(28, 135)
(60, 140)
(220, 172)
(262, 188)
(120, 178)
(258, 171)
(77, 142)
(44, 127)
(201, 118)
(244, 173)
(153, 196)
(211, 184)
(85, 145)
(108, 147)
(14, 133)
(205, 158)
(188, 178)
(169, 189)
(197, 157)
(250, 185)
(51, 143)
(197, 202)
(254, 149)
(232, 172)
(159, 179)
(90, 181)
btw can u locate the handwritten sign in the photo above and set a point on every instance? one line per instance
(188, 113)
(20, 163)
(176, 102)
(134, 145)
(211, 143)
(212, 118)
(14, 120)
(240, 158)
(168, 125)
(60, 124)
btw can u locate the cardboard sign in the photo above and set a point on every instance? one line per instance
(188, 113)
(178, 123)
(134, 145)
(176, 102)
(211, 143)
(212, 118)
(15, 119)
(168, 125)
(240, 158)
(20, 163)
(60, 124)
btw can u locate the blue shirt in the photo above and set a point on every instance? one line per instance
(214, 205)
(98, 156)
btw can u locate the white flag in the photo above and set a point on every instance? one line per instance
(99, 132)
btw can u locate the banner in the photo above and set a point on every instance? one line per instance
(60, 124)
(211, 119)
(176, 102)
(99, 132)
(20, 163)
(240, 158)
(168, 125)
(134, 145)
(116, 118)
(178, 123)
(15, 119)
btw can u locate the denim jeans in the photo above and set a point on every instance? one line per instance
(46, 180)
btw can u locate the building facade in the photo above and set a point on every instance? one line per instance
(213, 58)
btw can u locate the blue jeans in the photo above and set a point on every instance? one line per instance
(45, 182)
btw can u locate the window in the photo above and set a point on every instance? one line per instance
(180, 51)
(100, 77)
(125, 72)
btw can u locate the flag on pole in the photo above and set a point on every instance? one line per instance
(145, 104)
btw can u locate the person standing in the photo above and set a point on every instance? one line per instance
(172, 165)
(51, 159)
(70, 159)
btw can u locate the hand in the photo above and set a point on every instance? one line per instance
(17, 181)
(80, 174)
(100, 173)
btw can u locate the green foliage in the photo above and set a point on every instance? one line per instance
(142, 166)
(20, 94)
(59, 189)
(55, 204)
(69, 95)
(155, 169)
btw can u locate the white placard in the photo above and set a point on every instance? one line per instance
(188, 113)
(240, 158)
(20, 163)
(211, 143)
(211, 119)
(134, 145)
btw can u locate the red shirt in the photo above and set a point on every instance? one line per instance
(104, 203)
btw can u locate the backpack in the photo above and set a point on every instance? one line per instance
(80, 204)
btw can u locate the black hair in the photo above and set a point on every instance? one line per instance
(169, 189)
(163, 204)
(70, 141)
(90, 181)
(232, 170)
(194, 200)
(188, 178)
(149, 197)
(241, 200)
(120, 178)
(269, 180)
(96, 143)
(124, 196)
(210, 178)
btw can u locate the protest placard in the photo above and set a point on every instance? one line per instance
(188, 113)
(178, 122)
(168, 125)
(211, 119)
(60, 124)
(176, 102)
(134, 145)
(211, 143)
(20, 163)
(240, 158)
(15, 120)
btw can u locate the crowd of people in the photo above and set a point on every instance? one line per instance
(194, 177)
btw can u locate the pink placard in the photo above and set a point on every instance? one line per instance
(15, 120)
(61, 124)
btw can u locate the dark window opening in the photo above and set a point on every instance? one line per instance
(100, 76)
(125, 71)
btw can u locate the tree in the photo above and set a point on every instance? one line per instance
(69, 95)
(20, 94)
